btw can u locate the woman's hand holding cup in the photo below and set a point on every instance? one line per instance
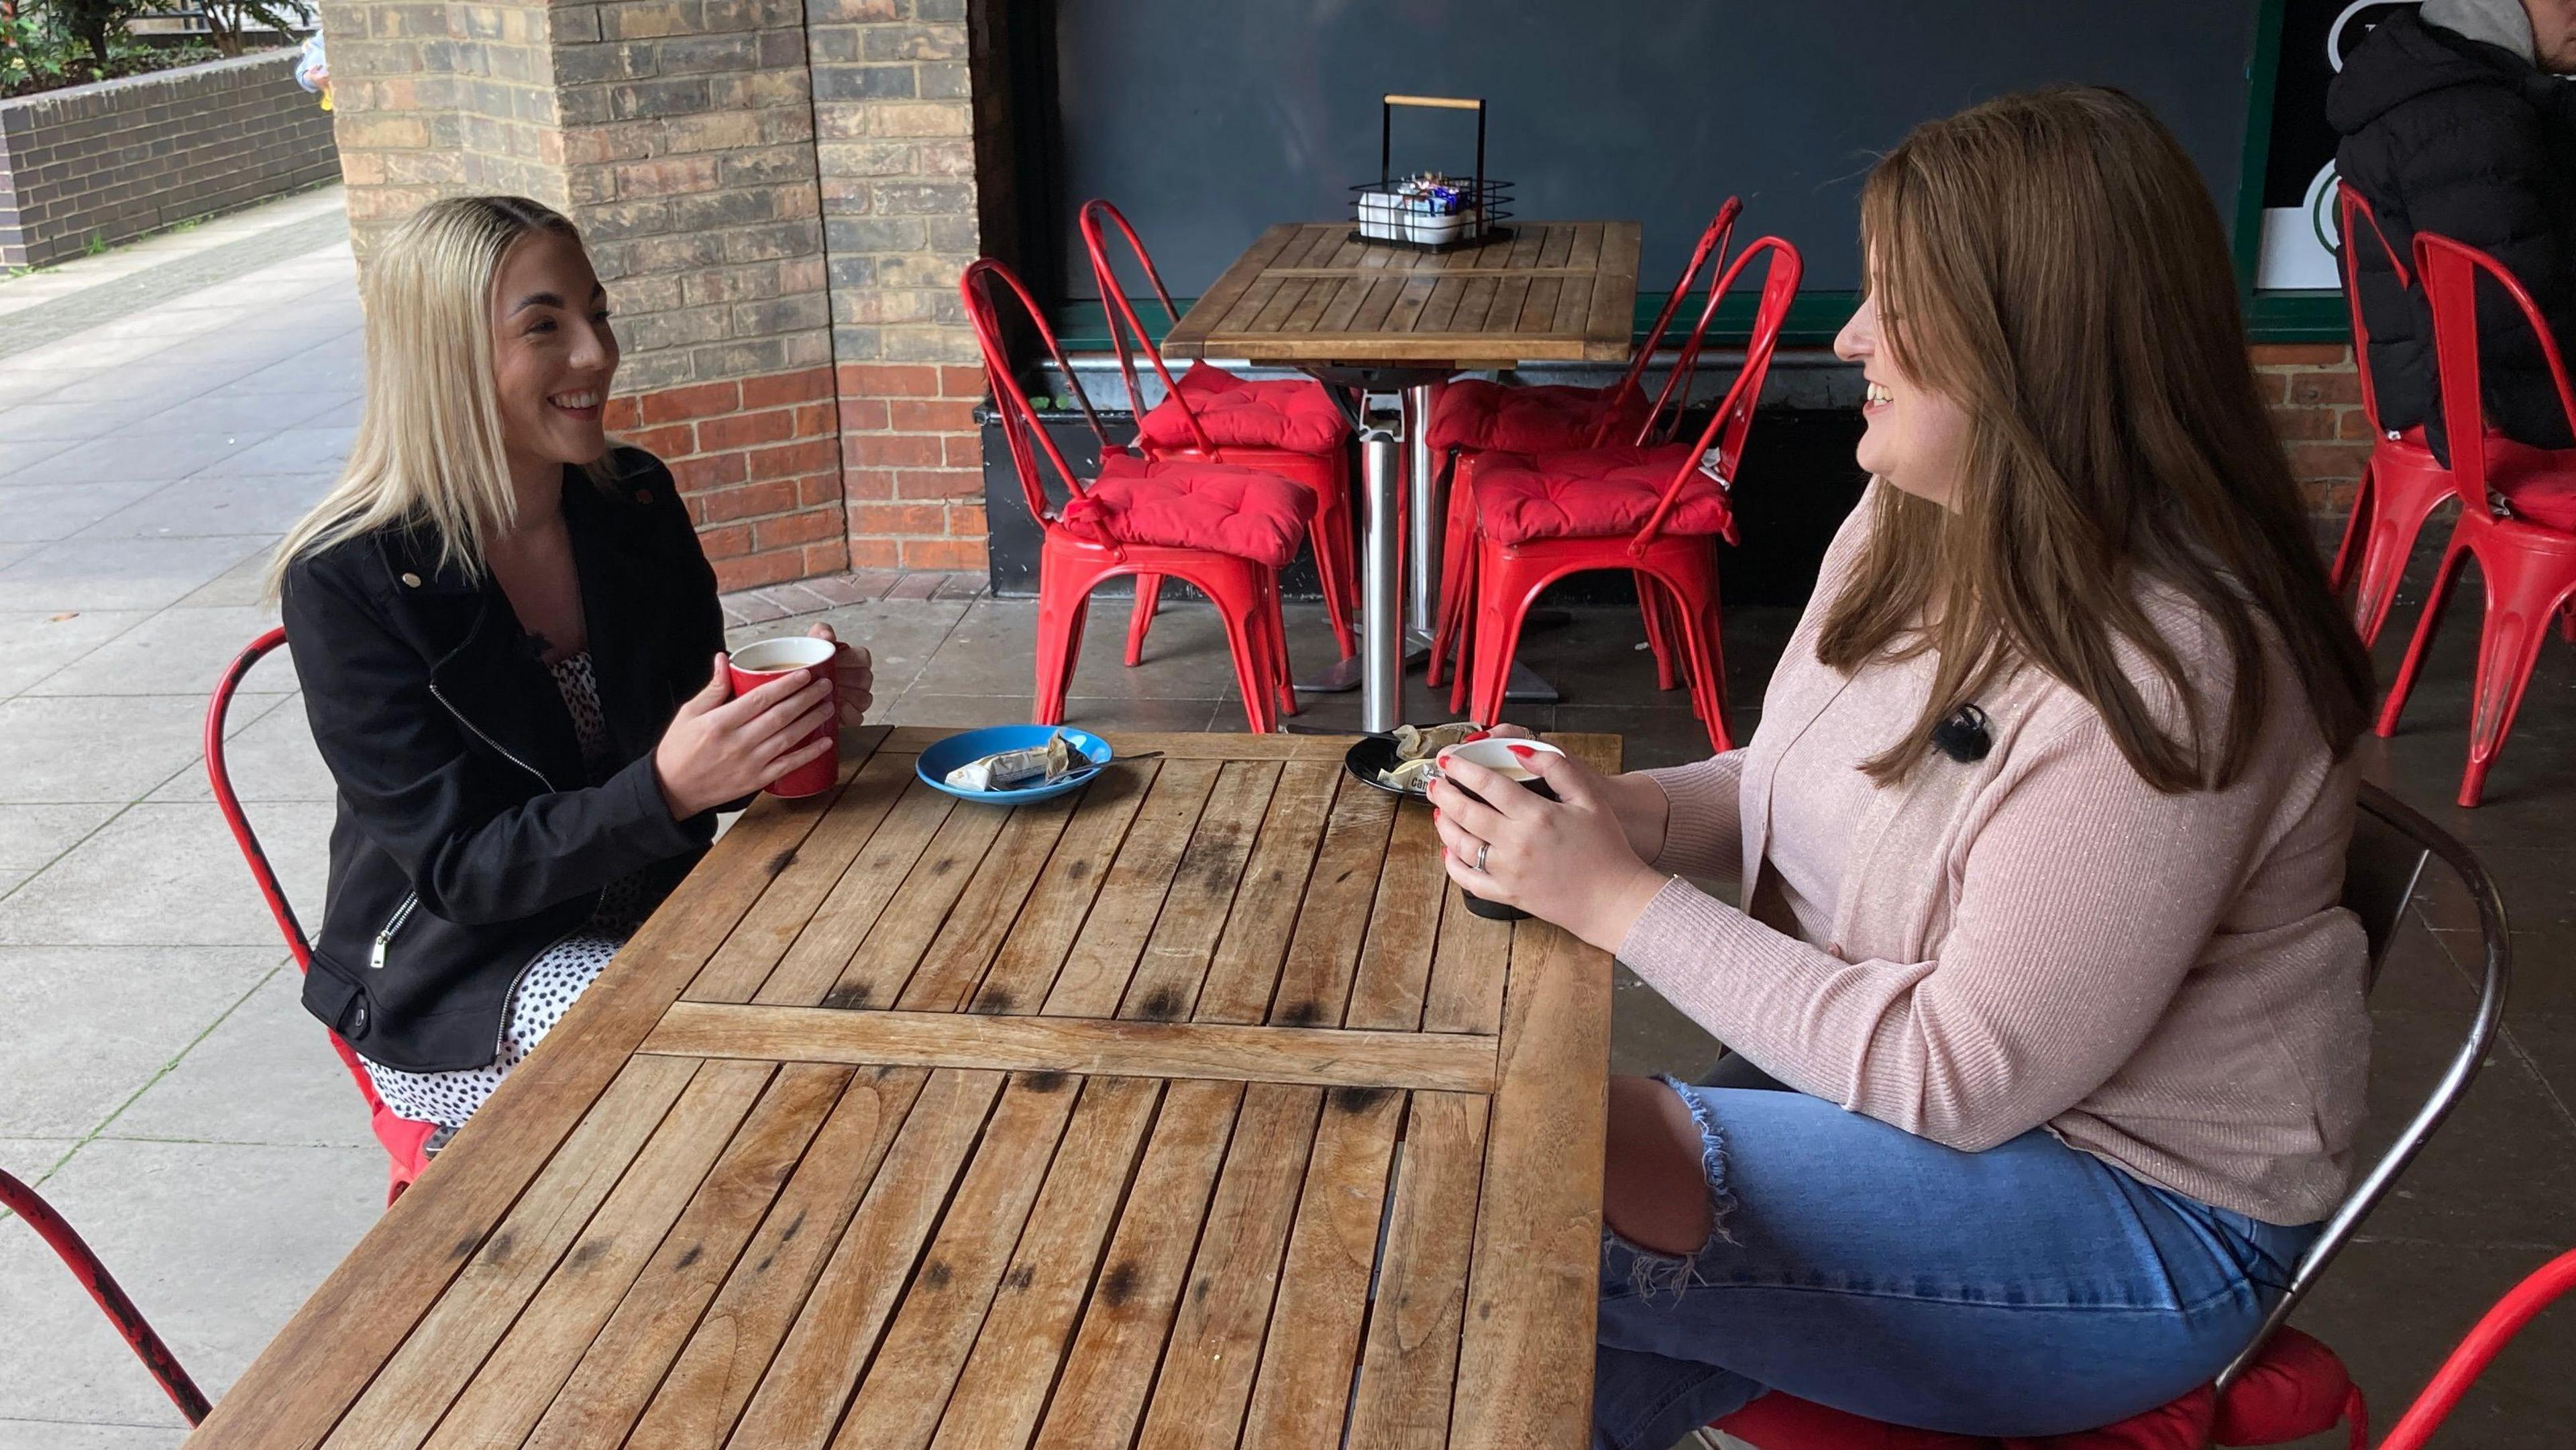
(722, 746)
(854, 671)
(1567, 860)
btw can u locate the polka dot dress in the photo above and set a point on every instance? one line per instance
(547, 987)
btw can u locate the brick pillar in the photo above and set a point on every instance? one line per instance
(895, 147)
(2314, 394)
(679, 135)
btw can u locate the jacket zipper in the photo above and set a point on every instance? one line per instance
(479, 734)
(394, 923)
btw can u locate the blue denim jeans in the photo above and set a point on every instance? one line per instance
(2031, 1289)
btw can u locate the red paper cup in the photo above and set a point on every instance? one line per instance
(755, 665)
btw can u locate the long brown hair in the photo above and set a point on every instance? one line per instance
(2051, 262)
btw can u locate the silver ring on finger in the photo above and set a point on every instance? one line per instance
(1483, 849)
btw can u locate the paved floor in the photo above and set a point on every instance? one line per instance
(159, 1080)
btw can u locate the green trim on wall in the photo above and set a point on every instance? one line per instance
(2300, 316)
(2262, 76)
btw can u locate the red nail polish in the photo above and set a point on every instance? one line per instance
(1524, 752)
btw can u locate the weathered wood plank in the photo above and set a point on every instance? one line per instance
(800, 878)
(1244, 975)
(616, 1375)
(808, 1384)
(956, 959)
(1404, 926)
(417, 1381)
(1215, 1343)
(1175, 745)
(1538, 311)
(875, 974)
(530, 1362)
(1315, 985)
(1609, 331)
(1165, 983)
(1109, 1367)
(850, 910)
(696, 1405)
(1186, 338)
(1410, 302)
(1035, 949)
(1004, 1383)
(1303, 1387)
(1323, 1056)
(308, 1376)
(1411, 1359)
(898, 1405)
(1104, 955)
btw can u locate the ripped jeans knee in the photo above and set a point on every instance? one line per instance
(1647, 1272)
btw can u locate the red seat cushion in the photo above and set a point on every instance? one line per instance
(2540, 487)
(1294, 414)
(1487, 416)
(1188, 504)
(2294, 1389)
(1594, 493)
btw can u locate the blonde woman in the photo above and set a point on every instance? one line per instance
(511, 656)
(2040, 838)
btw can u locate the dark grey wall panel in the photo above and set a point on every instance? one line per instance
(1209, 119)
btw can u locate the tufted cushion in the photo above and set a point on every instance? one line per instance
(2294, 1389)
(1292, 413)
(1187, 504)
(1488, 416)
(1594, 493)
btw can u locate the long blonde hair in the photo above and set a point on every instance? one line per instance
(428, 452)
(2052, 262)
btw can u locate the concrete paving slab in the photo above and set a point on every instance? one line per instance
(43, 512)
(30, 1159)
(65, 1435)
(23, 424)
(243, 583)
(210, 504)
(300, 451)
(271, 759)
(71, 749)
(88, 1027)
(32, 836)
(131, 456)
(901, 634)
(176, 652)
(261, 413)
(170, 875)
(2508, 1137)
(217, 1244)
(119, 573)
(966, 712)
(265, 1074)
(36, 643)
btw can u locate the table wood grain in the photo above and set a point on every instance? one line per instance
(1307, 292)
(1190, 1110)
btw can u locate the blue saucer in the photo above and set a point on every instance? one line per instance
(934, 764)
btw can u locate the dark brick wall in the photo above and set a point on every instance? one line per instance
(122, 158)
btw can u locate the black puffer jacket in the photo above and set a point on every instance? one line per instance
(2469, 141)
(470, 836)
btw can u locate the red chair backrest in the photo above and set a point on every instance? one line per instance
(2448, 271)
(18, 1198)
(1726, 431)
(1021, 428)
(2352, 213)
(401, 1137)
(1123, 321)
(1710, 253)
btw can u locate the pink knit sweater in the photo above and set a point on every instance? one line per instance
(2041, 939)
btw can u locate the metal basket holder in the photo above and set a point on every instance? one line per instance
(1381, 220)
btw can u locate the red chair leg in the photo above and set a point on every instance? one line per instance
(1657, 612)
(1149, 600)
(1462, 635)
(1457, 554)
(2524, 592)
(2356, 528)
(1274, 620)
(1060, 617)
(1336, 547)
(2387, 543)
(2453, 555)
(1693, 592)
(111, 1299)
(1505, 588)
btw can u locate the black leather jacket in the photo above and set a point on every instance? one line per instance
(469, 837)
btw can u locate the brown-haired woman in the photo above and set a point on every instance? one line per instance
(2041, 839)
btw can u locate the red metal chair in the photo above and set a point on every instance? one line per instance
(405, 1142)
(1653, 510)
(1290, 427)
(1224, 529)
(2402, 482)
(2528, 560)
(23, 1201)
(1475, 416)
(2285, 1385)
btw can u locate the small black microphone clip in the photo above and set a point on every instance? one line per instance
(1963, 736)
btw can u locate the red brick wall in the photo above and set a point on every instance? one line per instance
(2315, 397)
(913, 473)
(758, 461)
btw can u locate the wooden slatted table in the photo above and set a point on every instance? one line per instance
(1190, 1110)
(1308, 295)
(1305, 292)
